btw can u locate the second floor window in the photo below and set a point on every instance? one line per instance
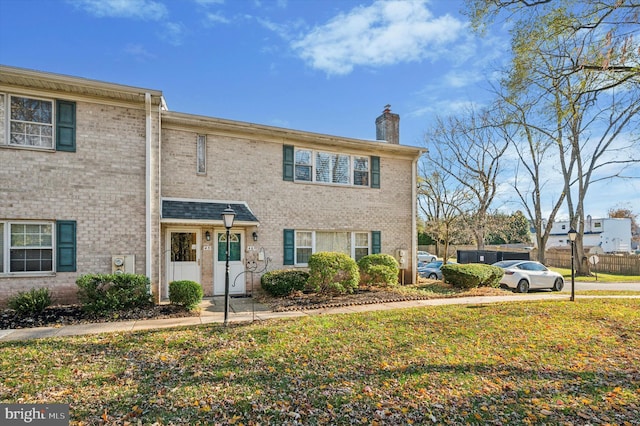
(326, 167)
(36, 123)
(31, 122)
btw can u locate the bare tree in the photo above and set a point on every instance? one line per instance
(443, 204)
(466, 150)
(580, 64)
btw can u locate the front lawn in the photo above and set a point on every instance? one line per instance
(602, 277)
(546, 362)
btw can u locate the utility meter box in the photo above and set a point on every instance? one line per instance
(401, 257)
(123, 264)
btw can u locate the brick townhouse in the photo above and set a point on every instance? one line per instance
(99, 177)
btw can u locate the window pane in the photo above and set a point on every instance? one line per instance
(31, 260)
(341, 169)
(302, 255)
(323, 167)
(31, 122)
(332, 168)
(31, 235)
(303, 173)
(17, 235)
(303, 156)
(303, 165)
(33, 110)
(361, 163)
(3, 137)
(361, 252)
(234, 247)
(183, 247)
(361, 171)
(333, 241)
(362, 239)
(201, 153)
(303, 239)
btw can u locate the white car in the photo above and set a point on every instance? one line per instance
(523, 275)
(425, 256)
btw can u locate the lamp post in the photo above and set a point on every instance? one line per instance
(572, 236)
(227, 217)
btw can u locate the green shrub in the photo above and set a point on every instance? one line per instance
(378, 269)
(284, 282)
(102, 293)
(33, 301)
(186, 293)
(472, 275)
(331, 272)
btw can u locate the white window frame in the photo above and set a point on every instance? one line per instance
(4, 128)
(296, 246)
(6, 248)
(9, 121)
(313, 166)
(352, 245)
(201, 154)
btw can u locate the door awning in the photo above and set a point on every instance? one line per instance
(210, 212)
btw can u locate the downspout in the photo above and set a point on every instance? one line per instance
(160, 250)
(148, 182)
(414, 214)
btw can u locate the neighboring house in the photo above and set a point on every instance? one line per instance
(99, 177)
(610, 234)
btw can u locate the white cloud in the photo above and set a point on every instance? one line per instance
(136, 9)
(384, 33)
(138, 52)
(439, 107)
(217, 18)
(173, 33)
(208, 2)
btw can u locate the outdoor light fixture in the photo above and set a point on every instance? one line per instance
(227, 217)
(572, 236)
(207, 236)
(255, 236)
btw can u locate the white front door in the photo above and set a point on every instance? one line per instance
(236, 263)
(183, 256)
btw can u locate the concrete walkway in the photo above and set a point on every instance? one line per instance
(243, 310)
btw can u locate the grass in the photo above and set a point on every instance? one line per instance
(549, 363)
(602, 277)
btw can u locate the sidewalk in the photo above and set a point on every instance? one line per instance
(243, 310)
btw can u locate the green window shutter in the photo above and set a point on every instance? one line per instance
(376, 242)
(66, 126)
(289, 247)
(66, 246)
(287, 162)
(375, 172)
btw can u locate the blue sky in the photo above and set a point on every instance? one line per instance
(325, 66)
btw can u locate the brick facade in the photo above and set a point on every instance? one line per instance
(129, 155)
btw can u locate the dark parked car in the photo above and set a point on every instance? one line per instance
(431, 270)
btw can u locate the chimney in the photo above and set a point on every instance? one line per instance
(388, 126)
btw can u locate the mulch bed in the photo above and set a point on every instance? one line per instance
(73, 314)
(302, 301)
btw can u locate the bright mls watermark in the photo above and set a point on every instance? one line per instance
(34, 414)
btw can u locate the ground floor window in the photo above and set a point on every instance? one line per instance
(37, 246)
(354, 244)
(26, 247)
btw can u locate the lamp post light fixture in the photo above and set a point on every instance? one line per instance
(572, 236)
(227, 217)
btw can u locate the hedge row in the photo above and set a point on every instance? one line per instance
(472, 275)
(331, 273)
